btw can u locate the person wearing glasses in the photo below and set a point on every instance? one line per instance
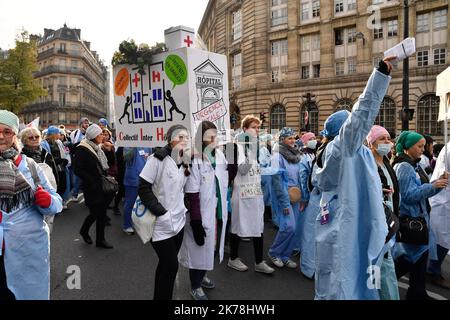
(161, 189)
(26, 196)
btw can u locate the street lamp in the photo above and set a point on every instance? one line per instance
(309, 99)
(406, 113)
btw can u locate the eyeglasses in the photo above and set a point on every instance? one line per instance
(7, 133)
(33, 137)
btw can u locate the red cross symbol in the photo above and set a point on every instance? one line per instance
(188, 41)
(136, 80)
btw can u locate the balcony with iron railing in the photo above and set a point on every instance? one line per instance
(71, 53)
(68, 70)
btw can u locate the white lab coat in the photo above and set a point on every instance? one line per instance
(247, 215)
(168, 186)
(202, 179)
(440, 204)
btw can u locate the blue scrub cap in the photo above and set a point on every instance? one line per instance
(103, 121)
(334, 123)
(52, 130)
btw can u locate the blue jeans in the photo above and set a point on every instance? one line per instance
(76, 185)
(131, 194)
(388, 281)
(434, 266)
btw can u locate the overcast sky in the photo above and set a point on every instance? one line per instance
(104, 23)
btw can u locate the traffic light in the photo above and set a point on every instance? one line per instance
(262, 117)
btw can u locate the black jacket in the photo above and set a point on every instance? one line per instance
(384, 182)
(87, 166)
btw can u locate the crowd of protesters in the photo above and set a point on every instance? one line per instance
(345, 201)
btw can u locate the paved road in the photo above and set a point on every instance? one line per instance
(127, 271)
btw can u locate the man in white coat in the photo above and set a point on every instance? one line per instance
(440, 221)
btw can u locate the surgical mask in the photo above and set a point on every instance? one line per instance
(383, 149)
(312, 144)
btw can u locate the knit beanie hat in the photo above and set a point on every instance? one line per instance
(306, 137)
(9, 119)
(286, 132)
(406, 140)
(93, 131)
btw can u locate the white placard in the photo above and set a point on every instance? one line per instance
(402, 50)
(175, 89)
(250, 190)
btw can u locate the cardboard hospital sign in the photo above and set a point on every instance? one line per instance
(183, 86)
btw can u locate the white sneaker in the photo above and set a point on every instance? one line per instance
(129, 231)
(237, 264)
(290, 264)
(264, 268)
(276, 261)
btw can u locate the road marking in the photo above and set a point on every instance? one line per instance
(431, 294)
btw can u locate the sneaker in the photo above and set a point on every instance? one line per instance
(198, 294)
(64, 206)
(129, 231)
(264, 268)
(277, 261)
(245, 239)
(237, 264)
(75, 198)
(290, 264)
(207, 283)
(296, 253)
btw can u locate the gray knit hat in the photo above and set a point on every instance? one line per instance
(93, 131)
(9, 119)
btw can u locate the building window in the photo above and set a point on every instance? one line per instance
(62, 47)
(311, 115)
(74, 65)
(351, 65)
(340, 68)
(427, 115)
(236, 72)
(344, 104)
(351, 35)
(316, 71)
(279, 12)
(237, 25)
(277, 117)
(386, 117)
(304, 42)
(392, 28)
(62, 117)
(339, 37)
(440, 19)
(338, 6)
(378, 33)
(305, 11)
(439, 56)
(62, 99)
(422, 58)
(279, 58)
(351, 5)
(316, 42)
(305, 72)
(316, 8)
(422, 22)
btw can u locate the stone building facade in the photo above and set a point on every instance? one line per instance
(74, 76)
(287, 57)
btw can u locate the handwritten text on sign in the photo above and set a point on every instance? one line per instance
(212, 113)
(250, 190)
